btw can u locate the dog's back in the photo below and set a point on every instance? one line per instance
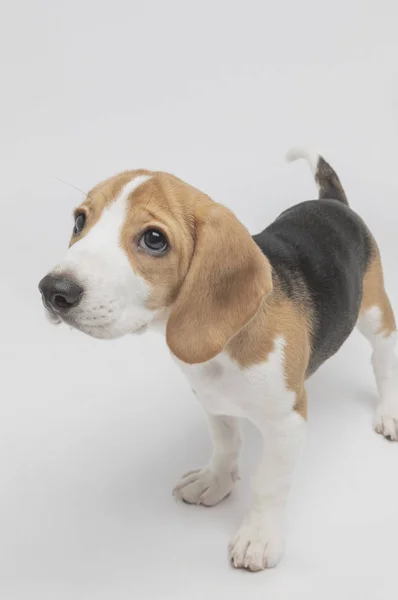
(319, 251)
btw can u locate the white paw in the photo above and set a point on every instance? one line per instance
(386, 420)
(256, 547)
(205, 486)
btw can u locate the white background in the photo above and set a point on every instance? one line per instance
(93, 435)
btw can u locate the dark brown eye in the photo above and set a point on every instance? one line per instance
(80, 221)
(154, 241)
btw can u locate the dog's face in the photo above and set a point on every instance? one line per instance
(146, 243)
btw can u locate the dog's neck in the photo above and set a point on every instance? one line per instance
(245, 345)
(159, 322)
(275, 319)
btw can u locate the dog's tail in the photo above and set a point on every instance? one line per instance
(328, 183)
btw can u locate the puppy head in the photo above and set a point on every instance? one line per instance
(146, 243)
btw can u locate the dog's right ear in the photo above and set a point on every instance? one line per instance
(227, 281)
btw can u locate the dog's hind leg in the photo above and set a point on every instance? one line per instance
(376, 322)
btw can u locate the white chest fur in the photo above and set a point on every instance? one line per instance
(224, 388)
(260, 394)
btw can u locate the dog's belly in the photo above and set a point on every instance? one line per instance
(224, 388)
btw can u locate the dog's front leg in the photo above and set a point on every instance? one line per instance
(259, 542)
(210, 485)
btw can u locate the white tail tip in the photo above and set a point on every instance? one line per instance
(299, 152)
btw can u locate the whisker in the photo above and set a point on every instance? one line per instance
(72, 186)
(82, 191)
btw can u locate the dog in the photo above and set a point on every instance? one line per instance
(248, 319)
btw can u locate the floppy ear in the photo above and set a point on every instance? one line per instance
(226, 283)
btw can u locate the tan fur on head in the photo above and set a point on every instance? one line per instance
(213, 277)
(167, 204)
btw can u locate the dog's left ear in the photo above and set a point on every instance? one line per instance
(227, 281)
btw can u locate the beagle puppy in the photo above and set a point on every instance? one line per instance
(248, 319)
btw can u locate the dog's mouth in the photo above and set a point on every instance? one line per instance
(92, 324)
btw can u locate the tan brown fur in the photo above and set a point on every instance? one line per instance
(301, 406)
(172, 206)
(164, 202)
(374, 293)
(278, 317)
(228, 279)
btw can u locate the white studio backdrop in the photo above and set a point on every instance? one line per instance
(93, 435)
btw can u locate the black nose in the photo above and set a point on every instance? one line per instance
(60, 292)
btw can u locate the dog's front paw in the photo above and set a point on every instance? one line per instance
(256, 547)
(386, 420)
(205, 486)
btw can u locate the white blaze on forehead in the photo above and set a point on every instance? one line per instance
(114, 300)
(99, 262)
